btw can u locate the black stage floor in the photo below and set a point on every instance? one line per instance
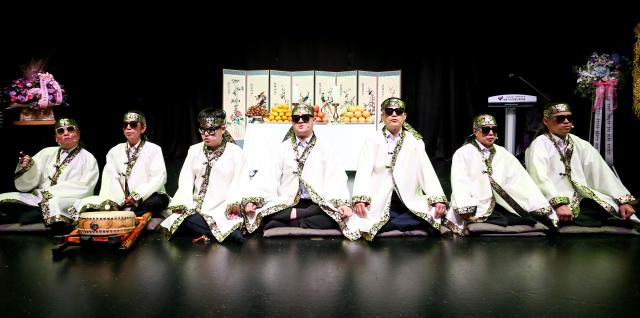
(283, 277)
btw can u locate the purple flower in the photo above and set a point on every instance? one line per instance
(615, 58)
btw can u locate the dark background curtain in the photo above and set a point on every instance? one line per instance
(170, 72)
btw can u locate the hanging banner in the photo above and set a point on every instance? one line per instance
(368, 93)
(302, 90)
(325, 82)
(388, 85)
(347, 83)
(257, 93)
(234, 101)
(280, 88)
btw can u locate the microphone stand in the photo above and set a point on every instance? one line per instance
(546, 98)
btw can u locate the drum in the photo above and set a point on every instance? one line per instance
(106, 222)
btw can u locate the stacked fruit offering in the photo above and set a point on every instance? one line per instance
(257, 110)
(318, 115)
(279, 114)
(356, 114)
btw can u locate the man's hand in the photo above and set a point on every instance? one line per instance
(564, 213)
(440, 209)
(250, 207)
(234, 212)
(24, 160)
(129, 201)
(625, 211)
(360, 208)
(345, 211)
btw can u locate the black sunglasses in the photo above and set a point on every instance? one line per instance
(389, 111)
(305, 118)
(61, 130)
(133, 124)
(486, 129)
(561, 118)
(210, 130)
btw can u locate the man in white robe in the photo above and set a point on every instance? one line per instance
(51, 181)
(574, 178)
(490, 185)
(207, 202)
(134, 176)
(396, 187)
(303, 184)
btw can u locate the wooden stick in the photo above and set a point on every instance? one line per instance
(142, 223)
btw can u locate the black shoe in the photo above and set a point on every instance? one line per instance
(237, 237)
(60, 228)
(388, 227)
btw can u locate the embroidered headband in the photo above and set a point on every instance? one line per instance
(392, 102)
(302, 109)
(209, 119)
(64, 122)
(484, 120)
(555, 108)
(133, 116)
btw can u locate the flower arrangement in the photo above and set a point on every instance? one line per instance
(37, 89)
(600, 69)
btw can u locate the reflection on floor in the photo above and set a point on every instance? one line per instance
(486, 277)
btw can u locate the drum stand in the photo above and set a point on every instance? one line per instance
(120, 241)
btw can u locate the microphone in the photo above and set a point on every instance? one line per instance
(512, 75)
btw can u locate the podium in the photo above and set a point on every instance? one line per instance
(510, 103)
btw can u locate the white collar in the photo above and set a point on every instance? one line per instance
(558, 139)
(135, 146)
(481, 146)
(304, 141)
(391, 136)
(68, 151)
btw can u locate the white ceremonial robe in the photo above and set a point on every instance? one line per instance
(148, 176)
(474, 194)
(76, 180)
(222, 185)
(587, 175)
(276, 186)
(412, 177)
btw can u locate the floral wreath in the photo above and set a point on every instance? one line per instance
(602, 71)
(36, 89)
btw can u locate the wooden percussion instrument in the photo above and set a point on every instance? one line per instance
(106, 222)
